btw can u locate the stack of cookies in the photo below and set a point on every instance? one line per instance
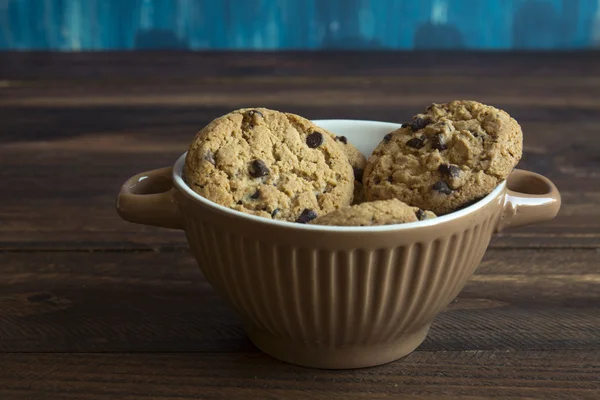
(282, 166)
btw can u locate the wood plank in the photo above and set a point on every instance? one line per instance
(121, 301)
(403, 91)
(473, 375)
(352, 96)
(140, 65)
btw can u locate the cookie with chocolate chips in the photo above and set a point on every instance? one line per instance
(382, 212)
(447, 157)
(358, 162)
(272, 164)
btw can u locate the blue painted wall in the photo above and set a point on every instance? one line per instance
(75, 25)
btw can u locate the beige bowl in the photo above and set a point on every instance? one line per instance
(336, 297)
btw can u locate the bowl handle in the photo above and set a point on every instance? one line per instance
(147, 198)
(529, 198)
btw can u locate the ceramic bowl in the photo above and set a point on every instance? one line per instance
(336, 297)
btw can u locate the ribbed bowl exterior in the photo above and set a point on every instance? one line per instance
(337, 299)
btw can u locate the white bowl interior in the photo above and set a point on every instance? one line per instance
(364, 135)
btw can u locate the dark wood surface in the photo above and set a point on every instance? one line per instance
(92, 307)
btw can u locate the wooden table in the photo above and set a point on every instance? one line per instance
(92, 307)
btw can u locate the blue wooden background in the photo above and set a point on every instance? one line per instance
(76, 25)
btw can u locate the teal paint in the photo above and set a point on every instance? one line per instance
(74, 25)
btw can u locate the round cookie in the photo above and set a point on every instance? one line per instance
(446, 158)
(268, 163)
(358, 162)
(382, 212)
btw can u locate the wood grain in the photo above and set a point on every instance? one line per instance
(145, 65)
(473, 375)
(92, 307)
(99, 302)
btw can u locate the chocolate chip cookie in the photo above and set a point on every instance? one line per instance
(446, 158)
(358, 162)
(382, 212)
(271, 164)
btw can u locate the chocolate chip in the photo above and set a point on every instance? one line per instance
(442, 187)
(438, 142)
(274, 212)
(342, 139)
(358, 173)
(416, 142)
(256, 195)
(251, 113)
(307, 215)
(405, 125)
(419, 123)
(314, 140)
(390, 179)
(387, 137)
(258, 168)
(210, 157)
(420, 215)
(449, 170)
